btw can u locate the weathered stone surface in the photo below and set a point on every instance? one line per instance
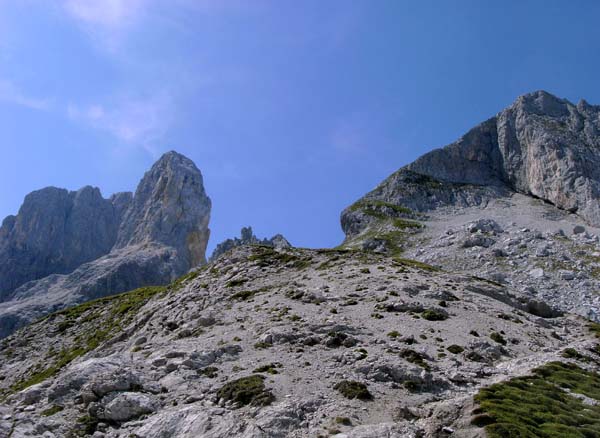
(124, 406)
(541, 146)
(378, 336)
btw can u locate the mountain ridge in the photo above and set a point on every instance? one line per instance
(459, 304)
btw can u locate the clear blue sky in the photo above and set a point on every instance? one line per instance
(292, 109)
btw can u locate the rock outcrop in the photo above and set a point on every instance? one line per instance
(247, 237)
(100, 247)
(170, 207)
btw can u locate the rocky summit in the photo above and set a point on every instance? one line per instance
(462, 303)
(64, 248)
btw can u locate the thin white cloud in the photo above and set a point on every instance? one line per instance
(11, 94)
(139, 122)
(111, 14)
(107, 22)
(348, 137)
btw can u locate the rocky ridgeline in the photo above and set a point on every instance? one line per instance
(247, 237)
(64, 248)
(281, 343)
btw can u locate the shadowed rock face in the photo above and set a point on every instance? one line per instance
(66, 247)
(55, 231)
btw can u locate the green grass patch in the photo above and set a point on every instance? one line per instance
(497, 337)
(434, 315)
(266, 256)
(404, 224)
(104, 317)
(538, 405)
(415, 264)
(269, 368)
(244, 295)
(455, 349)
(262, 345)
(55, 409)
(352, 389)
(237, 282)
(415, 357)
(571, 353)
(210, 372)
(372, 204)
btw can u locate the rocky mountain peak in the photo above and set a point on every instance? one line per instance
(170, 206)
(541, 145)
(534, 170)
(64, 248)
(542, 103)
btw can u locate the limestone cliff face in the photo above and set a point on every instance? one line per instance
(170, 207)
(55, 231)
(540, 146)
(66, 247)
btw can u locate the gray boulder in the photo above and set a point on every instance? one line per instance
(484, 226)
(123, 406)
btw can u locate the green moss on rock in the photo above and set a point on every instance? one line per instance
(352, 389)
(497, 337)
(455, 349)
(434, 315)
(247, 391)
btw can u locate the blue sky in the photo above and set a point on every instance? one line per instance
(291, 109)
